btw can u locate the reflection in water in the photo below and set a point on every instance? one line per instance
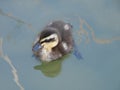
(19, 21)
(14, 71)
(83, 32)
(10, 15)
(51, 69)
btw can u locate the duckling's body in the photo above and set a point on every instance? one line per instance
(54, 41)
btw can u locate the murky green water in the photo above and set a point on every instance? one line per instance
(96, 32)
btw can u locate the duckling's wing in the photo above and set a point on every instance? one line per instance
(77, 53)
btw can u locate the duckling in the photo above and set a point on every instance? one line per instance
(54, 41)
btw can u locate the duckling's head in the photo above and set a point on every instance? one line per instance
(48, 39)
(54, 41)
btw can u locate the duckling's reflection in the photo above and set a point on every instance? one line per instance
(51, 69)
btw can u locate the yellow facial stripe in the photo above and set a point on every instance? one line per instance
(49, 45)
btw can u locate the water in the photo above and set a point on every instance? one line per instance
(96, 32)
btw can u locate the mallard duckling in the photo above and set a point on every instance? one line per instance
(54, 41)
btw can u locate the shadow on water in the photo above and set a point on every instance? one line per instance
(51, 69)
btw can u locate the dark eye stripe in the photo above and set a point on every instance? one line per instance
(48, 40)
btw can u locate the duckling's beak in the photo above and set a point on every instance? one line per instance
(36, 47)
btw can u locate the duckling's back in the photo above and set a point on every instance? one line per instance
(65, 30)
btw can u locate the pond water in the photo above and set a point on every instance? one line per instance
(96, 30)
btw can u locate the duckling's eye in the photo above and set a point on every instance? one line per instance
(48, 40)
